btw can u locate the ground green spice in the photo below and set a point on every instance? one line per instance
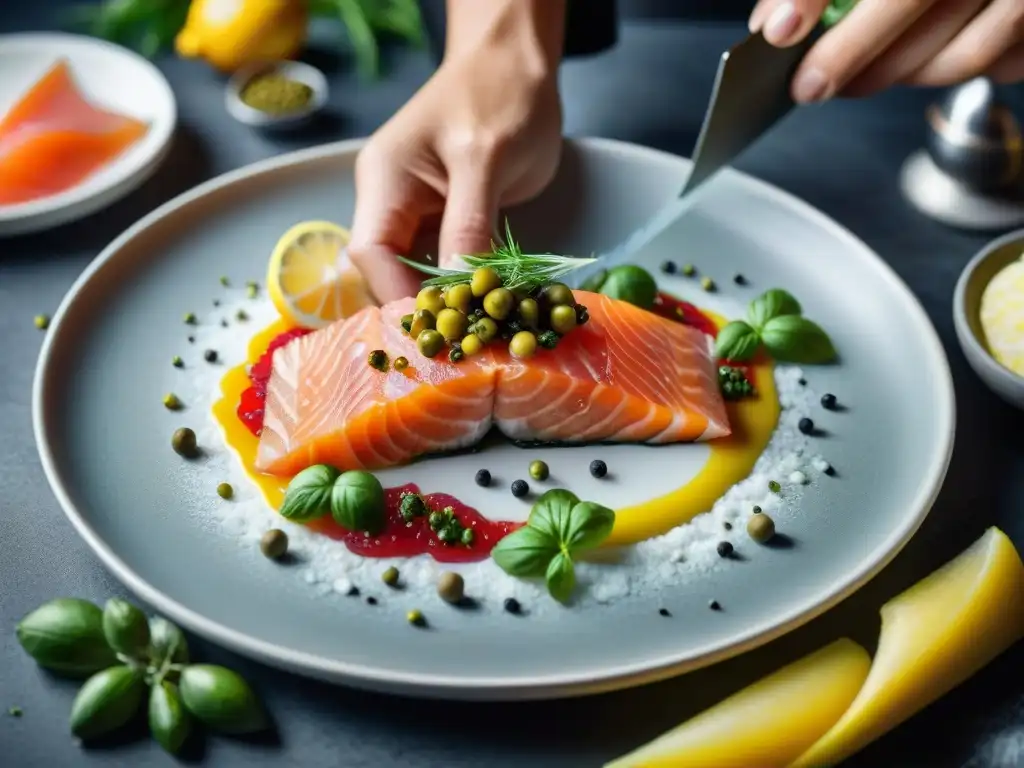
(276, 94)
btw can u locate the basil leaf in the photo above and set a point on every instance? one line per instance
(772, 303)
(66, 636)
(309, 494)
(169, 722)
(551, 513)
(357, 502)
(589, 525)
(106, 701)
(525, 552)
(736, 341)
(221, 699)
(561, 577)
(167, 641)
(795, 339)
(125, 627)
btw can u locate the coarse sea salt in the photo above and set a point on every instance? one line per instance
(330, 570)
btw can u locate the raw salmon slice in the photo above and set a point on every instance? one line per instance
(626, 376)
(53, 139)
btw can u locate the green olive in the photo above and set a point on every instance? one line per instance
(559, 293)
(563, 319)
(486, 330)
(471, 345)
(498, 303)
(430, 298)
(523, 345)
(539, 470)
(451, 587)
(429, 343)
(225, 491)
(452, 324)
(484, 281)
(459, 297)
(422, 320)
(529, 312)
(760, 528)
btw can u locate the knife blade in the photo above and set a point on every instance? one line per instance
(750, 95)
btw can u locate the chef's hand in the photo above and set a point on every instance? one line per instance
(883, 42)
(483, 132)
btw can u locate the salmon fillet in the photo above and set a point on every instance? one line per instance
(53, 139)
(626, 376)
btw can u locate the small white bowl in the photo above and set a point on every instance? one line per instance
(293, 70)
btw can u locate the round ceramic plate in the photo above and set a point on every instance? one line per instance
(110, 77)
(103, 436)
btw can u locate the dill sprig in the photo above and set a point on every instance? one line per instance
(515, 268)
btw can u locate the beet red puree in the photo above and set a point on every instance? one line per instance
(250, 405)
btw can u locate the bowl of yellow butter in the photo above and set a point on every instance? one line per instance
(988, 313)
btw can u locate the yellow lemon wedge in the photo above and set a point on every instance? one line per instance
(1002, 316)
(311, 279)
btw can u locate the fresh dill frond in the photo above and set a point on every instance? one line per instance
(515, 268)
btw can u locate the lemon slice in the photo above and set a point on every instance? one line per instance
(311, 279)
(1002, 316)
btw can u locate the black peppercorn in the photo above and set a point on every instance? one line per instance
(714, 605)
(828, 401)
(664, 612)
(520, 488)
(483, 478)
(512, 605)
(598, 468)
(210, 356)
(725, 549)
(806, 426)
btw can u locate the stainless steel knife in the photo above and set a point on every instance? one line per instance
(750, 95)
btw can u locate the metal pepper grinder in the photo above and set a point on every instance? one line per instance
(970, 174)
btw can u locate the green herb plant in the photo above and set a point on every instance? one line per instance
(355, 499)
(560, 527)
(775, 322)
(123, 654)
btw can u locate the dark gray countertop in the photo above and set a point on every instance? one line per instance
(842, 157)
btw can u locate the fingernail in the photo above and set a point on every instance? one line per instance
(811, 85)
(782, 24)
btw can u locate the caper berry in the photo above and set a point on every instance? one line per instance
(390, 576)
(225, 491)
(529, 312)
(406, 323)
(172, 402)
(274, 543)
(539, 470)
(498, 303)
(415, 617)
(451, 324)
(378, 359)
(431, 299)
(422, 320)
(459, 297)
(563, 319)
(761, 528)
(183, 441)
(429, 343)
(559, 293)
(468, 536)
(471, 345)
(177, 362)
(520, 488)
(523, 345)
(484, 280)
(451, 587)
(42, 322)
(485, 329)
(401, 363)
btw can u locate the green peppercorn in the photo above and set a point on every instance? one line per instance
(422, 320)
(484, 280)
(407, 323)
(224, 281)
(183, 441)
(529, 313)
(274, 543)
(455, 354)
(42, 322)
(448, 534)
(689, 270)
(523, 345)
(498, 303)
(436, 520)
(378, 359)
(415, 617)
(485, 329)
(452, 324)
(459, 297)
(225, 491)
(430, 298)
(190, 319)
(390, 576)
(563, 319)
(773, 486)
(429, 343)
(241, 315)
(412, 506)
(559, 293)
(172, 403)
(451, 587)
(401, 363)
(177, 362)
(707, 284)
(539, 470)
(251, 289)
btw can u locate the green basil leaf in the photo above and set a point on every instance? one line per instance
(357, 502)
(169, 721)
(551, 513)
(795, 339)
(772, 303)
(309, 494)
(589, 525)
(167, 641)
(66, 636)
(736, 341)
(561, 577)
(125, 627)
(221, 699)
(525, 552)
(107, 700)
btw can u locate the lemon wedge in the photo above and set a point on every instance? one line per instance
(311, 279)
(1002, 316)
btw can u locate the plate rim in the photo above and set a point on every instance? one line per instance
(80, 201)
(493, 688)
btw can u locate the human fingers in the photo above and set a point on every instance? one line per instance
(785, 22)
(978, 48)
(1010, 68)
(470, 209)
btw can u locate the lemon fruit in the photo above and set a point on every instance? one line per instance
(311, 279)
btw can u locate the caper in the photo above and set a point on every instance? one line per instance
(429, 343)
(42, 322)
(407, 323)
(401, 363)
(563, 319)
(177, 362)
(707, 284)
(415, 617)
(498, 303)
(451, 587)
(390, 576)
(225, 491)
(451, 324)
(183, 441)
(559, 293)
(422, 320)
(430, 298)
(274, 543)
(486, 329)
(471, 345)
(761, 528)
(172, 402)
(459, 297)
(539, 470)
(523, 345)
(484, 281)
(251, 289)
(529, 312)
(189, 318)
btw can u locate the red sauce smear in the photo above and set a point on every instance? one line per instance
(250, 404)
(402, 539)
(684, 312)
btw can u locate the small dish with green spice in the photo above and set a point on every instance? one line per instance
(276, 95)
